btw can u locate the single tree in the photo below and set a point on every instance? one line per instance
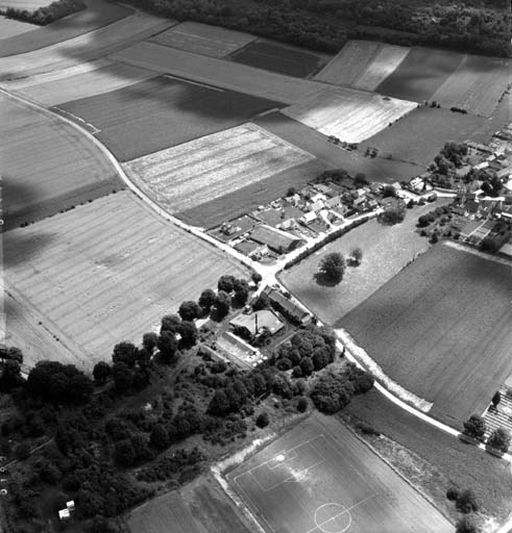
(392, 215)
(262, 420)
(149, 342)
(499, 439)
(101, 372)
(357, 256)
(168, 345)
(262, 302)
(226, 283)
(188, 332)
(256, 277)
(207, 299)
(466, 502)
(468, 524)
(125, 352)
(496, 399)
(474, 427)
(189, 311)
(388, 191)
(170, 323)
(360, 180)
(332, 267)
(222, 305)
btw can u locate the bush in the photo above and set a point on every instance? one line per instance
(302, 404)
(466, 502)
(499, 439)
(262, 420)
(468, 524)
(452, 493)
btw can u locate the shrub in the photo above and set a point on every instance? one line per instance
(475, 427)
(499, 439)
(466, 502)
(262, 420)
(302, 404)
(452, 493)
(468, 524)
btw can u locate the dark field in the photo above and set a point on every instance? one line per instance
(279, 58)
(452, 461)
(319, 477)
(315, 143)
(420, 74)
(99, 13)
(441, 328)
(247, 199)
(419, 136)
(159, 113)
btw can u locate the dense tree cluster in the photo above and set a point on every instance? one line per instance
(334, 390)
(46, 14)
(475, 427)
(392, 215)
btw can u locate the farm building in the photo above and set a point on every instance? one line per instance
(255, 323)
(251, 249)
(292, 311)
(276, 240)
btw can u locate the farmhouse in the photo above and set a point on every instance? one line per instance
(251, 249)
(254, 324)
(275, 239)
(288, 308)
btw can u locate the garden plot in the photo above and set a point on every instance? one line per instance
(74, 83)
(477, 85)
(47, 165)
(363, 64)
(86, 47)
(193, 173)
(203, 39)
(113, 269)
(350, 115)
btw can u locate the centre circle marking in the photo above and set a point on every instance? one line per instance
(332, 518)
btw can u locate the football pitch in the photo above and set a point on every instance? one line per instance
(320, 478)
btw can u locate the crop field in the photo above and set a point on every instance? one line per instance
(203, 39)
(86, 47)
(439, 328)
(219, 73)
(319, 477)
(376, 169)
(163, 112)
(434, 127)
(97, 15)
(386, 250)
(47, 165)
(247, 199)
(11, 27)
(200, 507)
(29, 5)
(420, 74)
(110, 270)
(476, 85)
(350, 115)
(76, 83)
(280, 58)
(196, 172)
(363, 64)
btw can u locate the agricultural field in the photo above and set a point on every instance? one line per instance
(110, 270)
(363, 64)
(156, 114)
(476, 85)
(86, 47)
(375, 169)
(431, 458)
(75, 83)
(420, 74)
(386, 250)
(193, 173)
(11, 28)
(277, 57)
(99, 13)
(200, 507)
(203, 39)
(439, 328)
(226, 74)
(434, 127)
(320, 477)
(28, 5)
(47, 165)
(350, 115)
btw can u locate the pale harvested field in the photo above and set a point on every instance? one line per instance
(476, 85)
(10, 27)
(203, 39)
(110, 271)
(363, 64)
(47, 165)
(83, 48)
(226, 74)
(202, 170)
(350, 115)
(67, 85)
(29, 5)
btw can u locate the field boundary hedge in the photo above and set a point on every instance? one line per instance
(47, 14)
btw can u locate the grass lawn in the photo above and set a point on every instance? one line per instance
(435, 460)
(441, 328)
(386, 249)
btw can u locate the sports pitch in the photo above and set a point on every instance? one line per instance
(441, 328)
(320, 478)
